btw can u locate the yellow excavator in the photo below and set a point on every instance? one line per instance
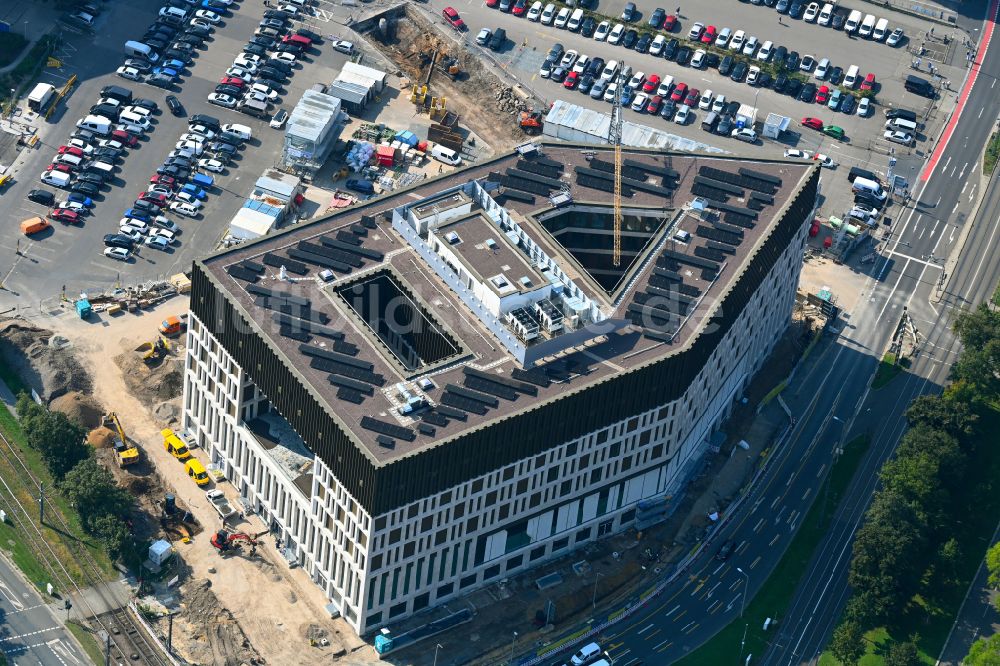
(127, 453)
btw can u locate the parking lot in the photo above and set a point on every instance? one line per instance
(72, 255)
(529, 43)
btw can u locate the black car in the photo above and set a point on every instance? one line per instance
(84, 135)
(147, 104)
(836, 75)
(140, 64)
(222, 147)
(670, 50)
(175, 105)
(765, 80)
(668, 109)
(725, 550)
(43, 197)
(87, 189)
(107, 110)
(780, 54)
(731, 108)
(226, 89)
(162, 37)
(200, 30)
(174, 21)
(106, 154)
(275, 14)
(183, 47)
(175, 172)
(779, 83)
(210, 122)
(118, 240)
(796, 10)
(683, 56)
(157, 44)
(793, 88)
(712, 60)
(588, 26)
(255, 49)
(315, 36)
(725, 125)
(145, 206)
(497, 41)
(739, 72)
(279, 65)
(808, 93)
(657, 18)
(161, 81)
(726, 66)
(642, 46)
(586, 83)
(90, 178)
(271, 74)
(94, 175)
(792, 62)
(290, 47)
(837, 22)
(275, 24)
(193, 40)
(868, 200)
(559, 74)
(594, 67)
(847, 103)
(266, 42)
(630, 38)
(176, 54)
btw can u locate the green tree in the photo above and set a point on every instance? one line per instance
(993, 565)
(978, 367)
(939, 412)
(948, 561)
(848, 642)
(984, 652)
(113, 534)
(903, 654)
(59, 440)
(93, 492)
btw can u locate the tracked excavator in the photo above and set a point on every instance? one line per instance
(226, 541)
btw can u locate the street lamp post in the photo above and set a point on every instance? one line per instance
(596, 578)
(746, 590)
(512, 640)
(436, 648)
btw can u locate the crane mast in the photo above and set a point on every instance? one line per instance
(615, 139)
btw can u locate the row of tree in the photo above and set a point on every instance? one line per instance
(906, 545)
(102, 506)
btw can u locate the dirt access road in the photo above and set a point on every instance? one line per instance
(278, 609)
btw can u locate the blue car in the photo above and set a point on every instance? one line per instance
(81, 199)
(175, 65)
(194, 191)
(137, 214)
(166, 71)
(214, 5)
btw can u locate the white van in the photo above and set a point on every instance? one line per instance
(901, 124)
(853, 21)
(869, 187)
(96, 124)
(176, 12)
(865, 30)
(446, 155)
(881, 30)
(128, 117)
(102, 167)
(851, 78)
(825, 14)
(575, 20)
(67, 158)
(241, 131)
(57, 178)
(562, 17)
(586, 653)
(140, 50)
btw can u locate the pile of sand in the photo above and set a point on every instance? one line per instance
(101, 438)
(52, 370)
(82, 409)
(216, 636)
(151, 384)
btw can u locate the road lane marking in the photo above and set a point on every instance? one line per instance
(672, 610)
(806, 494)
(713, 588)
(760, 523)
(715, 606)
(700, 585)
(7, 639)
(719, 568)
(794, 514)
(680, 615)
(645, 629)
(736, 584)
(820, 472)
(774, 540)
(666, 645)
(12, 598)
(776, 500)
(652, 633)
(696, 625)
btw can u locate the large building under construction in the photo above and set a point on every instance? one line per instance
(448, 385)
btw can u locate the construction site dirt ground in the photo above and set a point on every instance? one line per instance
(233, 610)
(847, 283)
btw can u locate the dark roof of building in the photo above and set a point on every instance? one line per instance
(692, 261)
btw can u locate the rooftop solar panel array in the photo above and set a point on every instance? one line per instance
(389, 429)
(463, 403)
(740, 179)
(359, 230)
(531, 376)
(707, 192)
(352, 248)
(534, 166)
(760, 175)
(719, 185)
(739, 219)
(547, 162)
(352, 371)
(666, 172)
(336, 254)
(526, 387)
(627, 171)
(451, 413)
(306, 325)
(350, 396)
(349, 238)
(241, 273)
(554, 183)
(525, 185)
(514, 195)
(435, 418)
(276, 260)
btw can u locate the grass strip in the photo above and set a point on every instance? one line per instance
(992, 154)
(773, 598)
(11, 45)
(888, 368)
(87, 641)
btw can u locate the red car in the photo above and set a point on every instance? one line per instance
(869, 82)
(708, 37)
(232, 81)
(301, 40)
(813, 123)
(124, 138)
(72, 150)
(161, 179)
(64, 215)
(452, 17)
(519, 7)
(651, 84)
(670, 23)
(572, 79)
(653, 107)
(692, 97)
(823, 95)
(65, 168)
(492, 3)
(680, 90)
(154, 198)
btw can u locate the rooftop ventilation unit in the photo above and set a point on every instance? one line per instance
(682, 236)
(491, 244)
(452, 238)
(550, 316)
(523, 323)
(525, 282)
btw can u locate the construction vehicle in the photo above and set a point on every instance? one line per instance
(226, 541)
(174, 445)
(531, 122)
(126, 453)
(221, 504)
(153, 352)
(171, 327)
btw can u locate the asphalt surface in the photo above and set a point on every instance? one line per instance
(529, 43)
(72, 256)
(30, 632)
